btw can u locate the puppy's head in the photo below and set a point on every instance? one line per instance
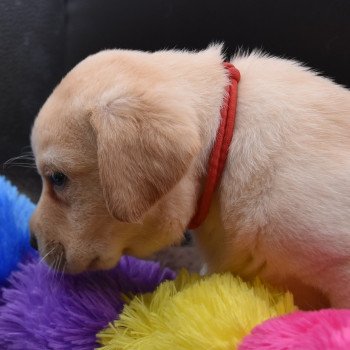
(114, 139)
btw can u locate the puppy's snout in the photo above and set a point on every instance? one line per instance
(33, 241)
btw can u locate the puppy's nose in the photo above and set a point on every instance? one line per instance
(33, 241)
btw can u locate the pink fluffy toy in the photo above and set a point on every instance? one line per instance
(325, 329)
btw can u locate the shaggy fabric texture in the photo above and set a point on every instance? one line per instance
(43, 309)
(15, 211)
(325, 329)
(194, 312)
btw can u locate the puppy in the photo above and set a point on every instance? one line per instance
(122, 146)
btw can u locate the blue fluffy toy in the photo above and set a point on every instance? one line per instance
(15, 211)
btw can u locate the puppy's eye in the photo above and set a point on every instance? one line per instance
(58, 179)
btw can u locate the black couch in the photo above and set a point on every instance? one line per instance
(41, 40)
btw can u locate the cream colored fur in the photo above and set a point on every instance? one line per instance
(133, 132)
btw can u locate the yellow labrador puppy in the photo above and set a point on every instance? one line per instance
(122, 145)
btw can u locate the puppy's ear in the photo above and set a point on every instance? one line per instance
(141, 156)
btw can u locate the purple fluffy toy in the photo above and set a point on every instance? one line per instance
(42, 309)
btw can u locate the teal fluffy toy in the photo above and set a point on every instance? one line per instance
(15, 211)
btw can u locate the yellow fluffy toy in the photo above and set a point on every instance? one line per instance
(195, 312)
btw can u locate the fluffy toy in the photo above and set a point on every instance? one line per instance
(44, 309)
(325, 329)
(15, 210)
(191, 312)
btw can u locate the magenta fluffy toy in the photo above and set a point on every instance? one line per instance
(318, 330)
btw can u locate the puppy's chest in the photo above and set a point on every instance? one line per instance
(232, 245)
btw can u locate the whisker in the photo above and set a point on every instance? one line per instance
(19, 163)
(63, 271)
(19, 160)
(48, 270)
(56, 269)
(24, 165)
(46, 255)
(27, 158)
(54, 272)
(27, 155)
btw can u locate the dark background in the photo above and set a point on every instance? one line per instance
(41, 40)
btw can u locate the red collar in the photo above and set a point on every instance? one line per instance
(219, 152)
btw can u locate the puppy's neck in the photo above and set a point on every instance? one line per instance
(201, 79)
(205, 80)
